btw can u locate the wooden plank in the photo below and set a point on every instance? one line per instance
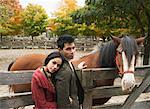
(137, 105)
(87, 81)
(110, 73)
(19, 77)
(137, 91)
(105, 74)
(15, 77)
(87, 104)
(140, 71)
(109, 91)
(16, 100)
(101, 69)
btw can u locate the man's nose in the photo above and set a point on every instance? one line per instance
(72, 50)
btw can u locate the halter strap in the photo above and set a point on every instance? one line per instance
(128, 72)
(119, 64)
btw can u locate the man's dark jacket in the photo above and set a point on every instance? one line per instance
(68, 85)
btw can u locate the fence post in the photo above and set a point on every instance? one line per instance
(87, 83)
(87, 104)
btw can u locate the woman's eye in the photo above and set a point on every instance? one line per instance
(54, 62)
(58, 65)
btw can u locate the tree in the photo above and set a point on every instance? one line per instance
(4, 16)
(133, 16)
(34, 20)
(146, 7)
(62, 22)
(66, 7)
(10, 17)
(105, 22)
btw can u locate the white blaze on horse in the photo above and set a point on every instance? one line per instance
(127, 52)
(120, 52)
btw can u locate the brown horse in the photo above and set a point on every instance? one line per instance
(120, 52)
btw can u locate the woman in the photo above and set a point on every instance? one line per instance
(43, 91)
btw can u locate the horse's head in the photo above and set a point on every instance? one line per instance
(126, 56)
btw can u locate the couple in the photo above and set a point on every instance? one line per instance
(56, 85)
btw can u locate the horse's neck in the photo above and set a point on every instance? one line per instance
(91, 60)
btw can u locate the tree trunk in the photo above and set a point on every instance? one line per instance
(137, 17)
(146, 50)
(1, 37)
(32, 39)
(147, 41)
(103, 38)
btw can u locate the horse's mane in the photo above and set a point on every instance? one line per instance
(108, 51)
(107, 54)
(130, 47)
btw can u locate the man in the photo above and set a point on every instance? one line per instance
(69, 91)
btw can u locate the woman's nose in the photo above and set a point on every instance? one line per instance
(55, 66)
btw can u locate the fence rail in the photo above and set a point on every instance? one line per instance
(86, 76)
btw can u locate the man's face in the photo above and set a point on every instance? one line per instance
(69, 50)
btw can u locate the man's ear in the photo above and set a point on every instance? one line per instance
(59, 49)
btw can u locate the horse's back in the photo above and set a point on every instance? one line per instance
(26, 62)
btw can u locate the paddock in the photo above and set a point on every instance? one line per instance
(87, 76)
(8, 55)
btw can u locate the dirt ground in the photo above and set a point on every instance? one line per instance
(9, 55)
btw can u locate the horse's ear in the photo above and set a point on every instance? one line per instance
(116, 39)
(140, 40)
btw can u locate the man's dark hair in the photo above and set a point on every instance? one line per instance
(64, 39)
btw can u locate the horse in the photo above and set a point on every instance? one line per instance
(118, 53)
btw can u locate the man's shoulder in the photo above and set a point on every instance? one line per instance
(65, 69)
(65, 65)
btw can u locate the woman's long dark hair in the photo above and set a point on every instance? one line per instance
(51, 56)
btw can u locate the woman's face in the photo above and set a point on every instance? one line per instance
(54, 64)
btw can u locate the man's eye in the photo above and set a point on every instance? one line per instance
(73, 47)
(68, 49)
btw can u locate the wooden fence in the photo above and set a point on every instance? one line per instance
(86, 77)
(89, 75)
(82, 45)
